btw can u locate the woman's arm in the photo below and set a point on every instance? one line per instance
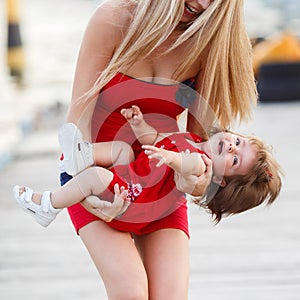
(195, 185)
(200, 119)
(102, 35)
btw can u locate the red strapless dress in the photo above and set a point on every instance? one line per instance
(160, 109)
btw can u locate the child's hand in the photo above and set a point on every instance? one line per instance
(162, 155)
(133, 115)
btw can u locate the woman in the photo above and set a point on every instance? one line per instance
(138, 52)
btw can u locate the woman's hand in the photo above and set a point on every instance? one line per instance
(105, 210)
(192, 184)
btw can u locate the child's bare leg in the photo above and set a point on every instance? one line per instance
(107, 154)
(92, 181)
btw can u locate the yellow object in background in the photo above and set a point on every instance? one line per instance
(15, 54)
(284, 48)
(13, 11)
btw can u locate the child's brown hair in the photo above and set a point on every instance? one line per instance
(243, 192)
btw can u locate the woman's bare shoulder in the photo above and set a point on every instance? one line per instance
(108, 25)
(117, 13)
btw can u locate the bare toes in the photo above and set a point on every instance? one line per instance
(22, 190)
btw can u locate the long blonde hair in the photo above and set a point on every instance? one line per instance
(217, 37)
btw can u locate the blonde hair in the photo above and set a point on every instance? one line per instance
(217, 37)
(243, 192)
(226, 56)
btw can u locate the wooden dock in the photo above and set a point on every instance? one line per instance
(253, 256)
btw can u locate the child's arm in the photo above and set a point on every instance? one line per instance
(145, 133)
(183, 163)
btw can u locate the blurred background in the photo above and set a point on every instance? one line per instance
(252, 256)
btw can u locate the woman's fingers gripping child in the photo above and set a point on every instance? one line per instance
(106, 210)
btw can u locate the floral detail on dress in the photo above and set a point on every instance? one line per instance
(186, 93)
(134, 190)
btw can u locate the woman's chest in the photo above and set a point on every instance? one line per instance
(160, 67)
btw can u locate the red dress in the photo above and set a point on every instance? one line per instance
(160, 108)
(151, 189)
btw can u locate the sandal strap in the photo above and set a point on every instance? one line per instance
(46, 201)
(27, 194)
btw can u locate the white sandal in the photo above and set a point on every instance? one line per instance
(44, 213)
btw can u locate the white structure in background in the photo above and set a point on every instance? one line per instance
(261, 20)
(268, 17)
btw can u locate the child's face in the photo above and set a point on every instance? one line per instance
(231, 154)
